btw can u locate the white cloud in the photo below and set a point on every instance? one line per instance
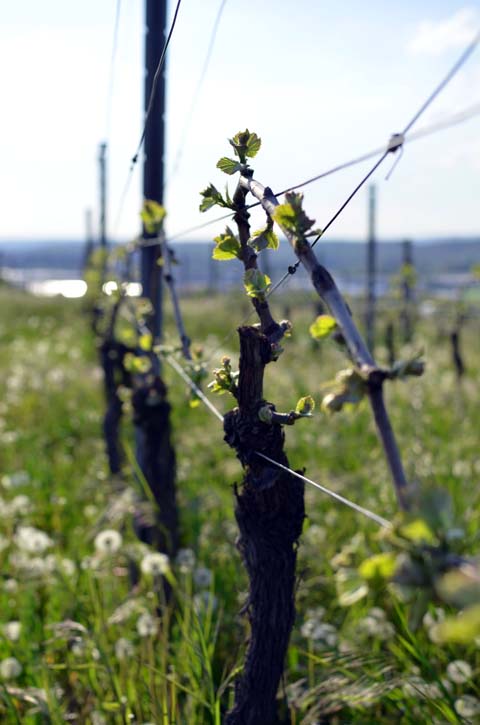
(436, 37)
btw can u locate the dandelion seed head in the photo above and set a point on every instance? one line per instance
(20, 505)
(147, 625)
(10, 668)
(415, 687)
(124, 649)
(12, 630)
(467, 706)
(19, 478)
(459, 671)
(433, 617)
(108, 541)
(202, 577)
(97, 718)
(32, 540)
(78, 647)
(155, 564)
(323, 634)
(185, 560)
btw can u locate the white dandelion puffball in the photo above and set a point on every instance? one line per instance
(32, 540)
(12, 630)
(10, 668)
(155, 563)
(146, 625)
(185, 560)
(467, 706)
(108, 541)
(123, 649)
(459, 671)
(202, 577)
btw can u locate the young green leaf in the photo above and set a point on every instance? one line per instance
(323, 326)
(152, 216)
(245, 144)
(462, 628)
(228, 246)
(225, 379)
(264, 239)
(212, 197)
(136, 363)
(228, 166)
(349, 388)
(256, 283)
(145, 341)
(379, 566)
(305, 406)
(253, 145)
(291, 215)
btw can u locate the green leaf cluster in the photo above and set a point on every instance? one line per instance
(246, 144)
(228, 166)
(264, 238)
(305, 407)
(227, 246)
(137, 364)
(291, 216)
(323, 326)
(212, 197)
(152, 216)
(225, 379)
(348, 388)
(256, 283)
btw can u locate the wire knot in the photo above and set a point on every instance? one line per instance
(396, 141)
(293, 268)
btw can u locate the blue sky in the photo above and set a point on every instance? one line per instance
(318, 81)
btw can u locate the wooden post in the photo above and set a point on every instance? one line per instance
(407, 290)
(153, 165)
(89, 244)
(154, 449)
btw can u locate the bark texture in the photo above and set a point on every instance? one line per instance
(270, 512)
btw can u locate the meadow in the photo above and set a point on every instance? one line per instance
(83, 638)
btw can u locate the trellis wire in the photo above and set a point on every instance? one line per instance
(196, 94)
(111, 75)
(151, 99)
(356, 507)
(448, 122)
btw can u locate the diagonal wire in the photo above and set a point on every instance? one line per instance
(156, 78)
(151, 100)
(111, 75)
(180, 371)
(390, 149)
(341, 499)
(452, 72)
(443, 124)
(196, 95)
(454, 120)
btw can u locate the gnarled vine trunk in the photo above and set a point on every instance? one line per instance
(270, 512)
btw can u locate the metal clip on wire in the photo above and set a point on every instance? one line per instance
(396, 142)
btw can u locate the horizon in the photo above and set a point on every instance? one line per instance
(314, 104)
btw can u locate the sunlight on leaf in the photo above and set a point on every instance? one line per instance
(323, 326)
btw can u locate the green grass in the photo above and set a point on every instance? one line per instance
(364, 667)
